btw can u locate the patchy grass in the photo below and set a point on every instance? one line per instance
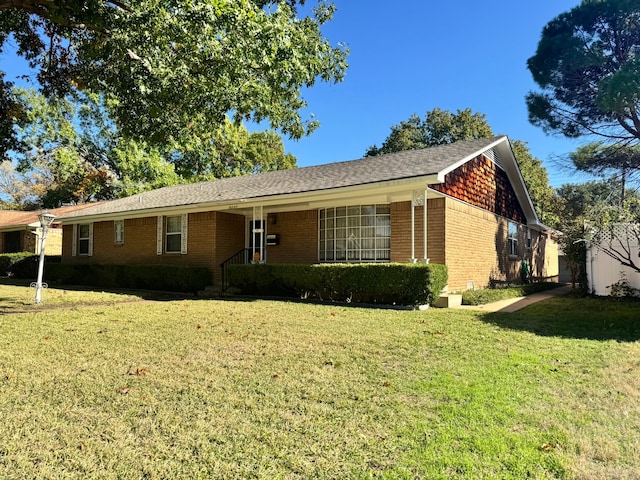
(17, 297)
(265, 389)
(488, 295)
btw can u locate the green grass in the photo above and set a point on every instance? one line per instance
(265, 389)
(488, 295)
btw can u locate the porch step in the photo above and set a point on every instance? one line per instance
(449, 300)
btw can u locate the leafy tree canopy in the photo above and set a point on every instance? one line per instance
(588, 68)
(441, 127)
(169, 69)
(76, 154)
(607, 160)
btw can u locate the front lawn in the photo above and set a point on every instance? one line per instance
(263, 389)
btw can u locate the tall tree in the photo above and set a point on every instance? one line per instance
(19, 191)
(588, 69)
(601, 159)
(169, 70)
(537, 180)
(441, 127)
(230, 150)
(78, 155)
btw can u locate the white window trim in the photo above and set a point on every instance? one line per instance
(161, 243)
(76, 241)
(118, 239)
(159, 234)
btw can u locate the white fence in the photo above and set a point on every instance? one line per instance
(604, 271)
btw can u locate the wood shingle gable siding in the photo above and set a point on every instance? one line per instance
(481, 183)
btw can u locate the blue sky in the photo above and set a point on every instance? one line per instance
(411, 56)
(415, 55)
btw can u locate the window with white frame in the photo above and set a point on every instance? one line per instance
(513, 239)
(355, 234)
(529, 239)
(84, 239)
(118, 232)
(173, 234)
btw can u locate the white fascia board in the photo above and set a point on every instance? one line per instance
(517, 182)
(451, 168)
(301, 200)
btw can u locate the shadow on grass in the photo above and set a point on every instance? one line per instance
(142, 294)
(592, 318)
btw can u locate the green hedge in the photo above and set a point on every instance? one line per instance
(171, 278)
(25, 265)
(8, 259)
(383, 283)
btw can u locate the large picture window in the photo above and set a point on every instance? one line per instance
(355, 234)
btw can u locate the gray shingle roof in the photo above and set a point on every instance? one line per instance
(368, 170)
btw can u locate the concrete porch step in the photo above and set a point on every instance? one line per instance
(449, 300)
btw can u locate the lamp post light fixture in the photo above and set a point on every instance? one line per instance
(46, 219)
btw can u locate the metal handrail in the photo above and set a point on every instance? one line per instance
(241, 257)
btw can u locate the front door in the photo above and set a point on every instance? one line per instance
(257, 240)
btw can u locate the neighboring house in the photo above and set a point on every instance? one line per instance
(603, 271)
(479, 219)
(21, 231)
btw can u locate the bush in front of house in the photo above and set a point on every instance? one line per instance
(25, 265)
(168, 278)
(7, 260)
(381, 283)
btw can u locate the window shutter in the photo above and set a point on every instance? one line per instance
(159, 235)
(90, 239)
(183, 223)
(74, 241)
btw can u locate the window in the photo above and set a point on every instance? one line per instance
(173, 234)
(355, 234)
(118, 232)
(84, 239)
(513, 239)
(529, 239)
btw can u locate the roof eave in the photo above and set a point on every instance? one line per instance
(283, 199)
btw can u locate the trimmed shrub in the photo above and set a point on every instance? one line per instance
(7, 260)
(171, 278)
(26, 267)
(383, 283)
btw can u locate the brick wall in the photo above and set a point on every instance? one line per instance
(481, 183)
(401, 231)
(298, 233)
(476, 246)
(477, 249)
(54, 241)
(229, 238)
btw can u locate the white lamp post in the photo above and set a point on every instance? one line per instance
(46, 219)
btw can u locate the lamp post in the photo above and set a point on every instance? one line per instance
(46, 219)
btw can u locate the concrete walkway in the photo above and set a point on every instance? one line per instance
(518, 303)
